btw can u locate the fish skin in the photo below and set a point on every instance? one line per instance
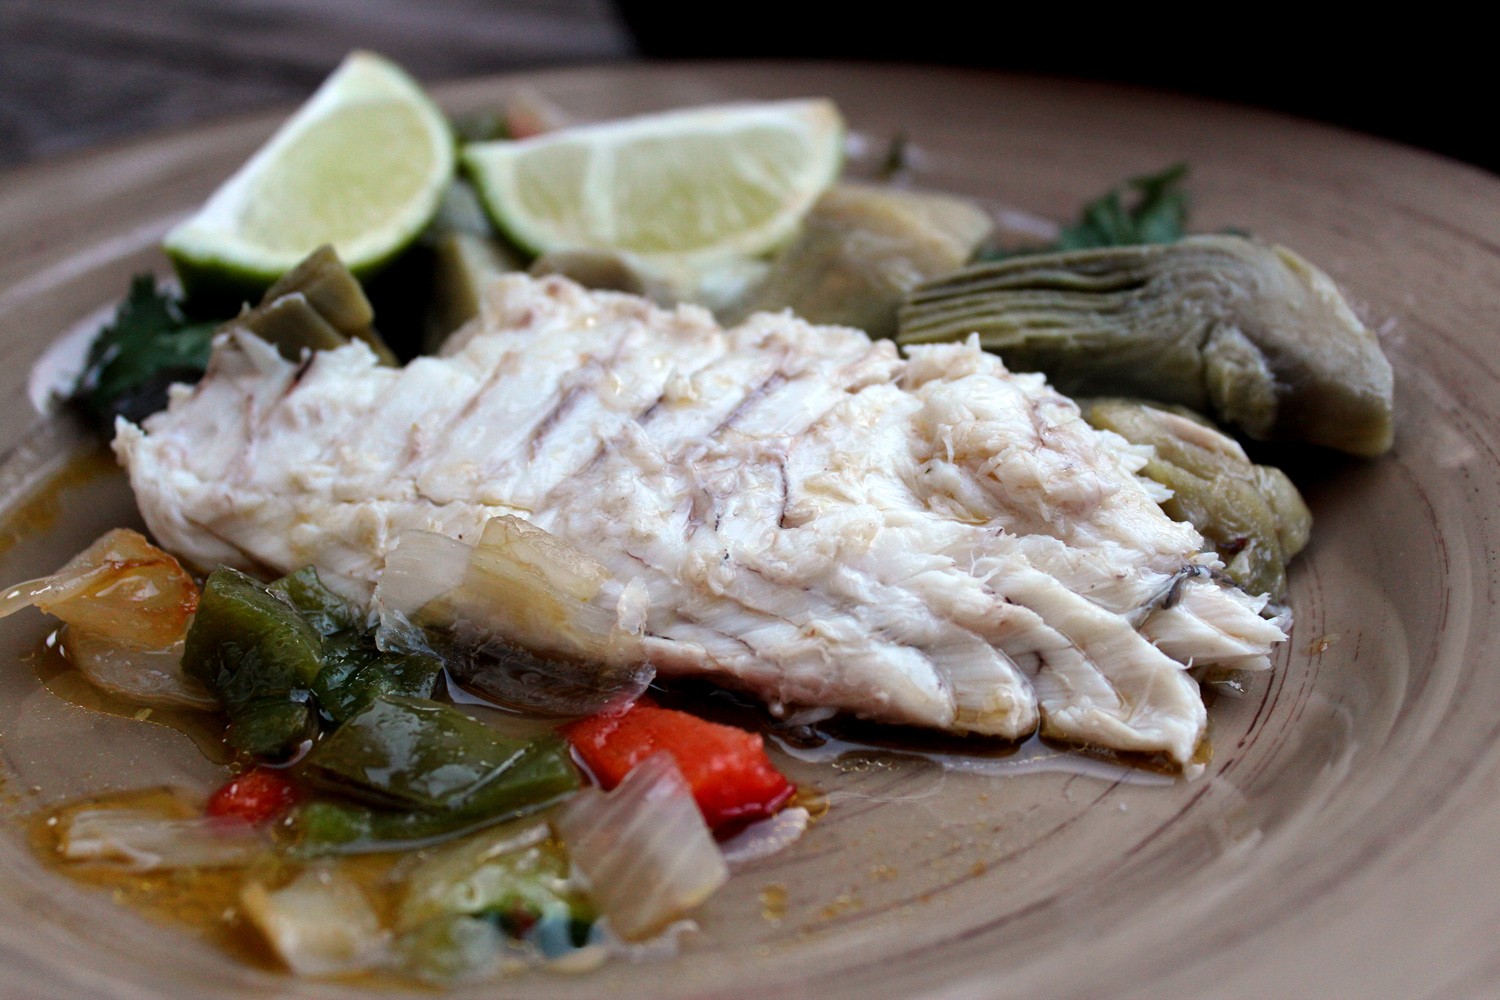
(933, 541)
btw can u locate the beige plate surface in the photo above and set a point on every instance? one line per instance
(1343, 841)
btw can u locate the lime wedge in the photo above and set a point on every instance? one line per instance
(692, 186)
(362, 165)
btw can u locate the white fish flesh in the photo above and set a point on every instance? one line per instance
(933, 541)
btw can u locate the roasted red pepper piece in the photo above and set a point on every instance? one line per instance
(257, 796)
(732, 779)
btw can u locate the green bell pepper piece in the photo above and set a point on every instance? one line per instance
(259, 656)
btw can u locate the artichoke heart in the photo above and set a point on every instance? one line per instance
(1252, 515)
(1247, 331)
(861, 250)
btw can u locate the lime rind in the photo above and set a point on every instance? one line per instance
(588, 218)
(212, 250)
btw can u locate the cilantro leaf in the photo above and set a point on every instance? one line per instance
(1148, 209)
(149, 345)
(1158, 214)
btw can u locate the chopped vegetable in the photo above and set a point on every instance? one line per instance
(1251, 514)
(121, 586)
(316, 306)
(767, 838)
(463, 262)
(357, 671)
(257, 796)
(340, 827)
(606, 270)
(732, 779)
(260, 657)
(521, 618)
(406, 757)
(127, 604)
(413, 754)
(143, 676)
(319, 925)
(643, 848)
(144, 840)
(515, 877)
(1247, 331)
(324, 610)
(481, 872)
(861, 249)
(149, 345)
(358, 665)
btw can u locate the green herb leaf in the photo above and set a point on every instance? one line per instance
(1157, 214)
(149, 345)
(1148, 209)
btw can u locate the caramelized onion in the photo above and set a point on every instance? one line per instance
(127, 604)
(120, 586)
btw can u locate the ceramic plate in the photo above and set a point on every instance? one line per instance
(1342, 841)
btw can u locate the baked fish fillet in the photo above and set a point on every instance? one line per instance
(935, 541)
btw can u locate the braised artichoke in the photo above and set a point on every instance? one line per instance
(1251, 514)
(861, 250)
(1248, 331)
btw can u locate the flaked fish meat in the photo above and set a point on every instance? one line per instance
(931, 541)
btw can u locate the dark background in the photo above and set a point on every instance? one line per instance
(75, 73)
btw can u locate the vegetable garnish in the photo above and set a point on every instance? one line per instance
(643, 848)
(1151, 208)
(149, 345)
(413, 769)
(732, 779)
(1156, 213)
(257, 796)
(127, 605)
(1248, 332)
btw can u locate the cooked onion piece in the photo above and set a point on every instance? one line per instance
(524, 617)
(127, 605)
(147, 676)
(766, 838)
(121, 585)
(143, 840)
(643, 849)
(320, 924)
